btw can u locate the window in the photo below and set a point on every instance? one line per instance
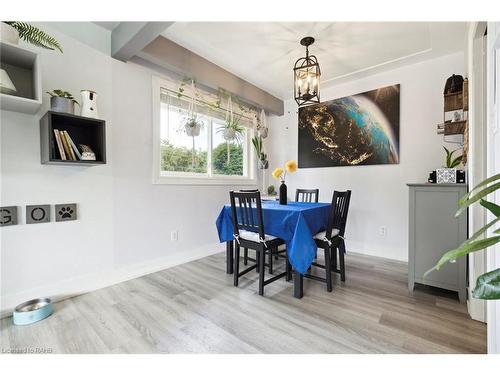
(192, 144)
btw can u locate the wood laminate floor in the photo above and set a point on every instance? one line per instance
(194, 308)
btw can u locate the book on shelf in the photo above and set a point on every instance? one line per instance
(68, 141)
(60, 146)
(74, 148)
(66, 145)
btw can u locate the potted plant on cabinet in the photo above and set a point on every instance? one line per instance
(448, 175)
(12, 31)
(62, 101)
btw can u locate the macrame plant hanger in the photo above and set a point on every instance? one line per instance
(229, 120)
(192, 114)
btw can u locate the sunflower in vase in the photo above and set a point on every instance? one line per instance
(280, 174)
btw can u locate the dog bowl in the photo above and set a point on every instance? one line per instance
(32, 311)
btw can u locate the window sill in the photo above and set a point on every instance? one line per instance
(234, 181)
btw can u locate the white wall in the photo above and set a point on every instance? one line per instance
(145, 214)
(379, 192)
(124, 223)
(33, 256)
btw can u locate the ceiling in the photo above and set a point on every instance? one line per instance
(110, 25)
(263, 53)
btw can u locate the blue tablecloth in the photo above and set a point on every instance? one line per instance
(296, 223)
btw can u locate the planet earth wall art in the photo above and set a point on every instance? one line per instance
(361, 129)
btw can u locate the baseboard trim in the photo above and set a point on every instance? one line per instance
(84, 284)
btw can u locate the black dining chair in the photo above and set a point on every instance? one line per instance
(246, 258)
(248, 225)
(307, 195)
(331, 240)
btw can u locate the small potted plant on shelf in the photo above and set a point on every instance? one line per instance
(12, 31)
(271, 190)
(62, 101)
(262, 157)
(448, 175)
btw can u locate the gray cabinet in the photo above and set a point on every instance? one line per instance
(434, 230)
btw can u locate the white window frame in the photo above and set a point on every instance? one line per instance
(186, 178)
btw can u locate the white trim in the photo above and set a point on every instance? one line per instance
(72, 287)
(182, 178)
(170, 180)
(476, 162)
(493, 145)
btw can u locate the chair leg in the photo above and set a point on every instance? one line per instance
(257, 261)
(333, 259)
(236, 264)
(262, 261)
(328, 269)
(342, 260)
(270, 260)
(229, 257)
(288, 270)
(245, 256)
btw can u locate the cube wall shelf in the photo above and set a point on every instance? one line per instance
(23, 68)
(82, 130)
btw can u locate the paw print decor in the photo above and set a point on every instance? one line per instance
(65, 212)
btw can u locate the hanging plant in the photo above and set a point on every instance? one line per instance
(262, 128)
(192, 125)
(232, 130)
(259, 150)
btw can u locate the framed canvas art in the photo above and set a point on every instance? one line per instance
(361, 129)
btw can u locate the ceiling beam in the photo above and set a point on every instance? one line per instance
(128, 38)
(169, 55)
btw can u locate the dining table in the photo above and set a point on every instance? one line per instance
(295, 222)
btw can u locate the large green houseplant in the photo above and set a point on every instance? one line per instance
(34, 35)
(488, 284)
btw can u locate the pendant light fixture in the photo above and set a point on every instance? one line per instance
(306, 74)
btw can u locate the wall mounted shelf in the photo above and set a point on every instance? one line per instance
(23, 68)
(82, 130)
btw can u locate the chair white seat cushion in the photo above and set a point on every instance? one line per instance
(253, 236)
(322, 235)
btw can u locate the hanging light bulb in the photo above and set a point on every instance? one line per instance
(306, 68)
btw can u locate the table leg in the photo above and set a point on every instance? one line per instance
(298, 285)
(229, 257)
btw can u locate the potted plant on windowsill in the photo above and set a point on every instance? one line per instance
(271, 191)
(12, 31)
(261, 156)
(448, 175)
(62, 101)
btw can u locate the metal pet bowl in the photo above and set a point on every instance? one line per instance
(32, 311)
